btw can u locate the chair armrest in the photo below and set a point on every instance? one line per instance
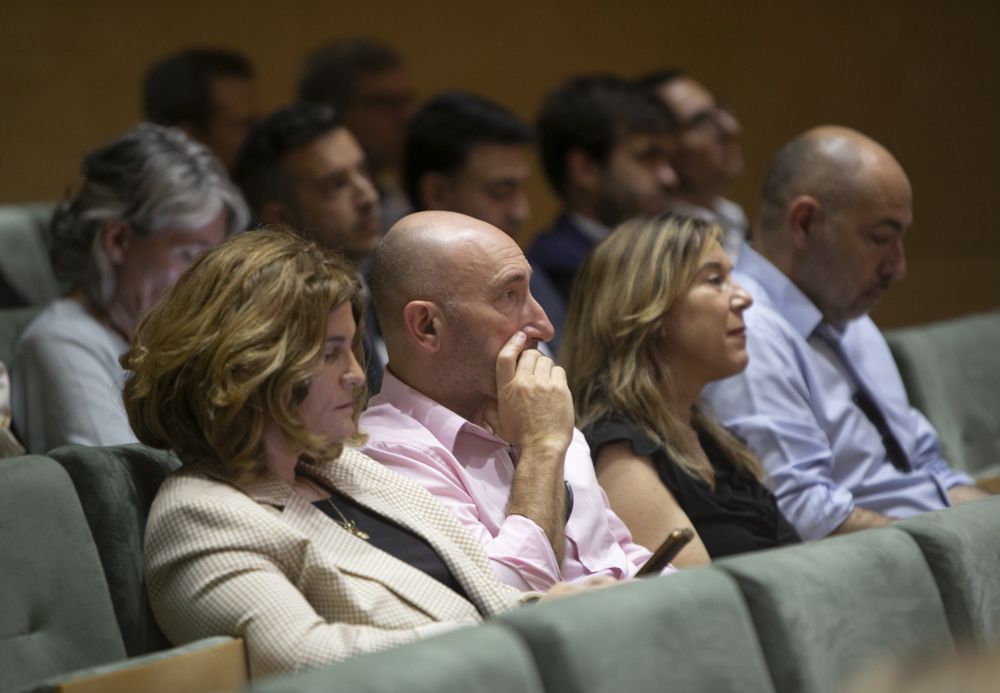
(210, 665)
(990, 484)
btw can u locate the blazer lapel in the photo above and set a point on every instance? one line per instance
(358, 557)
(404, 502)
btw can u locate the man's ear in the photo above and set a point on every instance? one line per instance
(803, 217)
(435, 191)
(581, 170)
(116, 237)
(423, 322)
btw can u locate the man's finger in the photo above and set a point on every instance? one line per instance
(507, 358)
(543, 367)
(559, 375)
(526, 363)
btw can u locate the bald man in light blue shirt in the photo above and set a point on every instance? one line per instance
(822, 403)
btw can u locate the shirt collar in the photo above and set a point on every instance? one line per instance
(591, 228)
(444, 424)
(689, 209)
(788, 300)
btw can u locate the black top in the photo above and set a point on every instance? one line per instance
(398, 541)
(739, 515)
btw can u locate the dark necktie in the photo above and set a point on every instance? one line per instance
(864, 401)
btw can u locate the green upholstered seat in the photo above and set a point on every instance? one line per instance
(24, 261)
(484, 658)
(826, 610)
(12, 324)
(962, 548)
(116, 486)
(951, 371)
(55, 612)
(685, 632)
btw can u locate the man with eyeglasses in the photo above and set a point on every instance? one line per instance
(707, 157)
(366, 81)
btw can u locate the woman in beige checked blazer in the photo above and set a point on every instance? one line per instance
(272, 530)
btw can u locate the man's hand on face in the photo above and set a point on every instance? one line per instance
(534, 407)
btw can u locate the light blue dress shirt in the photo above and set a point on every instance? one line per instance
(793, 406)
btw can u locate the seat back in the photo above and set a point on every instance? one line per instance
(962, 548)
(487, 659)
(950, 372)
(25, 269)
(55, 613)
(827, 609)
(13, 322)
(685, 632)
(116, 486)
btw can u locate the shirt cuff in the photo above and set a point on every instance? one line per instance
(522, 557)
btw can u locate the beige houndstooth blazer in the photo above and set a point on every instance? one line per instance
(258, 561)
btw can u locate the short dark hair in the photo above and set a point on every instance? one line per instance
(259, 167)
(178, 89)
(594, 113)
(330, 74)
(441, 134)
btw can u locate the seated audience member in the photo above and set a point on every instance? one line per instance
(822, 403)
(208, 93)
(471, 410)
(273, 530)
(366, 81)
(469, 155)
(640, 346)
(605, 145)
(707, 156)
(300, 166)
(147, 205)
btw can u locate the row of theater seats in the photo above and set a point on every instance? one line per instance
(804, 618)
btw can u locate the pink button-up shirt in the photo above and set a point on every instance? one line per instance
(470, 470)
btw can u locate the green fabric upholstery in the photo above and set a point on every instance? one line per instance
(484, 658)
(827, 609)
(55, 613)
(12, 324)
(685, 632)
(962, 548)
(116, 486)
(951, 371)
(24, 262)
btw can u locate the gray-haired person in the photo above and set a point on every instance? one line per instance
(147, 205)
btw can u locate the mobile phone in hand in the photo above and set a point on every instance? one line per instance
(667, 552)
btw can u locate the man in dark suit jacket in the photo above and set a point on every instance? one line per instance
(466, 154)
(605, 144)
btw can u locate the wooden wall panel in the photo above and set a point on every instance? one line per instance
(919, 75)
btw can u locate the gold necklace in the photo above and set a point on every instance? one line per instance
(350, 525)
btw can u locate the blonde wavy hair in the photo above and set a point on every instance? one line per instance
(612, 346)
(235, 344)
